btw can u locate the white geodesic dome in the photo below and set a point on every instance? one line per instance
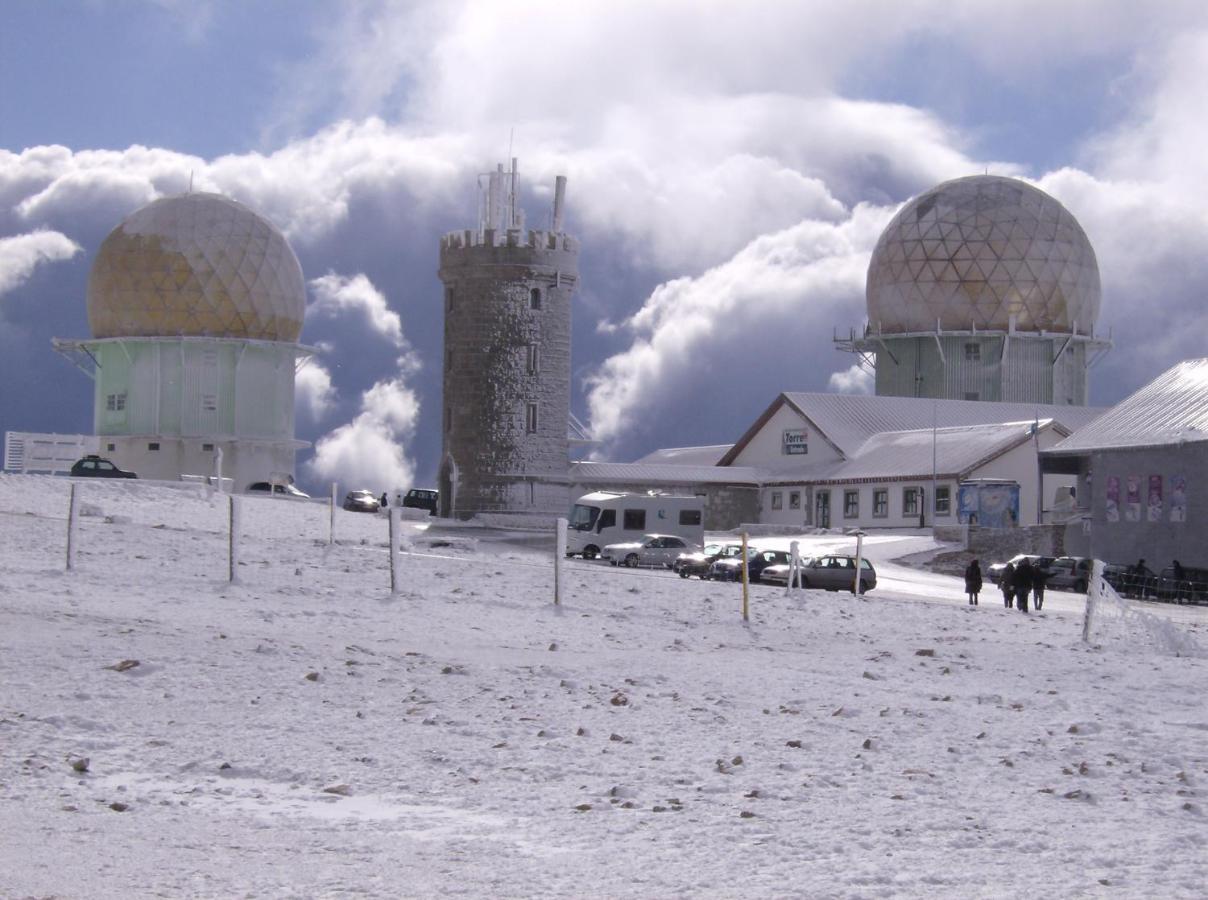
(196, 265)
(973, 252)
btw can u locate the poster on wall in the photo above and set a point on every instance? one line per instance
(1153, 509)
(1132, 503)
(1113, 498)
(1178, 498)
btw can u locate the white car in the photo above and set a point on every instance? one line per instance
(652, 550)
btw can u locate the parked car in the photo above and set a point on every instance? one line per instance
(831, 573)
(93, 466)
(361, 501)
(1192, 587)
(994, 573)
(689, 564)
(1068, 573)
(652, 550)
(284, 491)
(729, 568)
(422, 498)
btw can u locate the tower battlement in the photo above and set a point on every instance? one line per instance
(511, 237)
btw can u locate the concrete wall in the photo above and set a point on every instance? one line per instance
(491, 462)
(1123, 537)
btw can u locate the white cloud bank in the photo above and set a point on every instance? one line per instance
(336, 294)
(314, 394)
(21, 254)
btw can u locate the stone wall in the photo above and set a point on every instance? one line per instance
(997, 544)
(506, 348)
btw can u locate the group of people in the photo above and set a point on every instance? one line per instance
(1016, 584)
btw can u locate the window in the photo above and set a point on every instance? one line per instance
(608, 519)
(530, 417)
(777, 500)
(116, 402)
(943, 503)
(973, 352)
(209, 402)
(449, 299)
(689, 517)
(794, 499)
(534, 359)
(851, 504)
(972, 395)
(207, 448)
(535, 298)
(880, 503)
(154, 445)
(634, 520)
(910, 501)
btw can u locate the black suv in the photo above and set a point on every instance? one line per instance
(422, 498)
(93, 466)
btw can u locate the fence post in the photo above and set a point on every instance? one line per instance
(794, 579)
(1093, 588)
(72, 513)
(745, 577)
(395, 519)
(858, 587)
(559, 558)
(235, 527)
(331, 522)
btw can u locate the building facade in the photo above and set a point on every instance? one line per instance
(195, 304)
(506, 402)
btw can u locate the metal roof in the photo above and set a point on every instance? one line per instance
(626, 473)
(685, 456)
(849, 420)
(1171, 409)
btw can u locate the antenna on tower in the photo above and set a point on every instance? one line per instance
(190, 181)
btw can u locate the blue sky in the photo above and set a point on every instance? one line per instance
(729, 172)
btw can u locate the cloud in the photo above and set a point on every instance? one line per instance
(313, 391)
(336, 294)
(712, 339)
(20, 255)
(369, 452)
(853, 380)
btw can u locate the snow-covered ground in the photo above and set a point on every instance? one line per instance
(304, 733)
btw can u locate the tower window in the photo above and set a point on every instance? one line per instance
(534, 359)
(209, 402)
(535, 298)
(530, 417)
(973, 352)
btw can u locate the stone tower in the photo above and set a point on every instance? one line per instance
(507, 358)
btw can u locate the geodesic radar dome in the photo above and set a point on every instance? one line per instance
(196, 265)
(973, 252)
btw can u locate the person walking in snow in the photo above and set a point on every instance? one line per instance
(382, 503)
(1039, 577)
(1023, 585)
(973, 581)
(1007, 585)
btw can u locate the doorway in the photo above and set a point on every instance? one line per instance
(822, 509)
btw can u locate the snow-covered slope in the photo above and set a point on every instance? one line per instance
(305, 733)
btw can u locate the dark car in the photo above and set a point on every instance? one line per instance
(1190, 587)
(422, 498)
(1068, 573)
(730, 568)
(994, 573)
(283, 491)
(689, 564)
(93, 466)
(361, 501)
(831, 573)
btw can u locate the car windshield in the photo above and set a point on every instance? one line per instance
(583, 518)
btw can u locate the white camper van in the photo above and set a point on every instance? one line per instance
(607, 517)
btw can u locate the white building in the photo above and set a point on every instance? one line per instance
(195, 305)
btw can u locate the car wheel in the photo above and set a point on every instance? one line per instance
(632, 560)
(591, 552)
(803, 582)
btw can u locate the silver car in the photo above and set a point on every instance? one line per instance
(660, 550)
(831, 573)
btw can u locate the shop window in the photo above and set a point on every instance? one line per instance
(880, 503)
(777, 500)
(794, 499)
(851, 504)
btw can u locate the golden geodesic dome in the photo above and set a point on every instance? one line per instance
(977, 251)
(196, 265)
